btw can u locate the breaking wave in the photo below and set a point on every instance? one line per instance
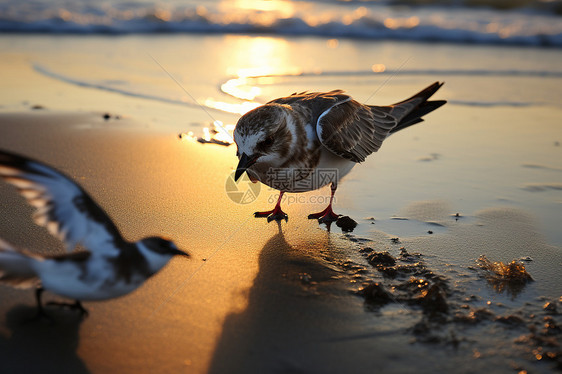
(371, 20)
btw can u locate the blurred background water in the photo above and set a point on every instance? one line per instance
(529, 22)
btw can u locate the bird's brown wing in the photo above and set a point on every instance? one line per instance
(352, 130)
(316, 102)
(344, 126)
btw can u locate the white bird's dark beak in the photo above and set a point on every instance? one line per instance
(179, 252)
(245, 162)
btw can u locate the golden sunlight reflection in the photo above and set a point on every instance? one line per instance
(333, 43)
(350, 18)
(251, 56)
(187, 136)
(252, 61)
(378, 68)
(398, 23)
(243, 86)
(238, 87)
(162, 15)
(280, 8)
(219, 134)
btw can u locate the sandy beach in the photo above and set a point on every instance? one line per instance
(482, 176)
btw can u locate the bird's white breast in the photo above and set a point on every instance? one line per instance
(330, 161)
(330, 168)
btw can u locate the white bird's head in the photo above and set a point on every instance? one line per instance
(158, 251)
(264, 137)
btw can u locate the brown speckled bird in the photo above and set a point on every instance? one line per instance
(308, 140)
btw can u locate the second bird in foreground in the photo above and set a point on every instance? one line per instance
(308, 140)
(110, 266)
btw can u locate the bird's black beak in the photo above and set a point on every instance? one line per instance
(179, 252)
(245, 162)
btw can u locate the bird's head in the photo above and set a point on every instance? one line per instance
(158, 251)
(264, 137)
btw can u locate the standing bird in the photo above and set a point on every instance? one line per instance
(109, 267)
(307, 140)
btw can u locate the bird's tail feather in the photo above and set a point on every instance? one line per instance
(424, 94)
(415, 116)
(16, 267)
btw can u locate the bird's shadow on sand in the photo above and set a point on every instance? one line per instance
(41, 345)
(287, 312)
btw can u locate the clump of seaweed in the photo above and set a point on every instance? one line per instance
(375, 294)
(424, 288)
(511, 277)
(381, 259)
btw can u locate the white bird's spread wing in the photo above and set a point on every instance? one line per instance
(62, 206)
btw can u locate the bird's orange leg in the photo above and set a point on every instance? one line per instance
(327, 215)
(274, 214)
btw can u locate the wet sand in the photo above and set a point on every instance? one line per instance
(258, 297)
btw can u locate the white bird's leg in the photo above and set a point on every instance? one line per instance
(40, 311)
(75, 305)
(327, 215)
(274, 214)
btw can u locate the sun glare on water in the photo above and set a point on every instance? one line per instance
(219, 133)
(277, 8)
(253, 61)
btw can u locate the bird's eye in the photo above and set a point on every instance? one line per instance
(268, 142)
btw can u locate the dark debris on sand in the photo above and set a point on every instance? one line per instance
(375, 293)
(381, 259)
(407, 281)
(542, 342)
(213, 141)
(417, 285)
(108, 116)
(346, 223)
(447, 316)
(550, 307)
